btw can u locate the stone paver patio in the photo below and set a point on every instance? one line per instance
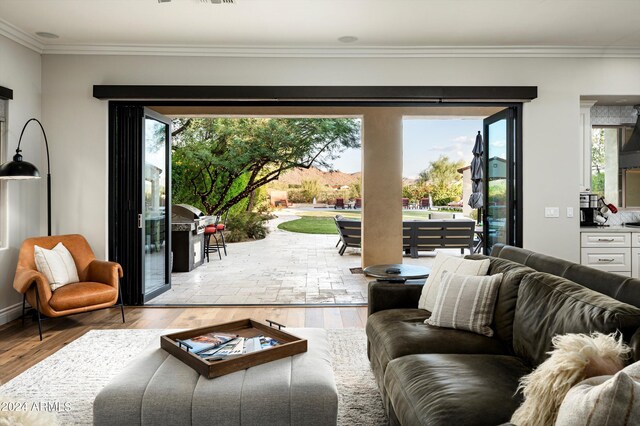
(284, 268)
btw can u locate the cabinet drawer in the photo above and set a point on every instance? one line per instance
(635, 239)
(602, 239)
(607, 259)
(635, 262)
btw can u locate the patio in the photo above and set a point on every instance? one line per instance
(283, 269)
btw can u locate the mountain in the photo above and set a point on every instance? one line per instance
(336, 178)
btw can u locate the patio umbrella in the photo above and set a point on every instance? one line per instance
(476, 198)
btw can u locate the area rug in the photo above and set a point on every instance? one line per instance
(67, 382)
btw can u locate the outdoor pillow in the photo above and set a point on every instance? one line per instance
(57, 265)
(454, 265)
(466, 302)
(603, 400)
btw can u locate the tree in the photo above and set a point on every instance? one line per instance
(444, 179)
(219, 162)
(310, 189)
(597, 161)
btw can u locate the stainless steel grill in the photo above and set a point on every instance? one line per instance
(187, 214)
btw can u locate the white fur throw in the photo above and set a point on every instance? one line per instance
(574, 358)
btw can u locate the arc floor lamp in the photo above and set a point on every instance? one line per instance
(20, 169)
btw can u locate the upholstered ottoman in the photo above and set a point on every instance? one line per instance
(158, 389)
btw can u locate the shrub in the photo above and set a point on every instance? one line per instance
(242, 226)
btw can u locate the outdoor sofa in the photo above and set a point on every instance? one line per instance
(438, 376)
(417, 235)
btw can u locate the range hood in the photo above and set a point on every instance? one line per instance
(630, 152)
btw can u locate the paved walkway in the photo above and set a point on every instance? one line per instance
(284, 268)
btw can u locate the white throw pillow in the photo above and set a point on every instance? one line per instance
(57, 265)
(455, 265)
(604, 400)
(466, 302)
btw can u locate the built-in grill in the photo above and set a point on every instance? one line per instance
(185, 214)
(187, 236)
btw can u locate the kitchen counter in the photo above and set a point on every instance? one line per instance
(612, 228)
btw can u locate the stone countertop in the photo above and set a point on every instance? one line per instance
(609, 229)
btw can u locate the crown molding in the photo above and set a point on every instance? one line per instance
(347, 52)
(19, 36)
(16, 34)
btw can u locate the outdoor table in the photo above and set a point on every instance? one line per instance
(397, 272)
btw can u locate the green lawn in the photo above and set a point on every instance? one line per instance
(321, 222)
(310, 225)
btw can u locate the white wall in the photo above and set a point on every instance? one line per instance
(77, 123)
(20, 70)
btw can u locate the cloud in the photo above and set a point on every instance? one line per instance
(466, 140)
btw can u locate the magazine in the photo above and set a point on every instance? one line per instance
(238, 346)
(206, 342)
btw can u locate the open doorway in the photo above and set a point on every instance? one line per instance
(123, 230)
(460, 183)
(266, 190)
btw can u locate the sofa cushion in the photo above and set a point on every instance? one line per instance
(466, 303)
(82, 294)
(549, 305)
(448, 263)
(454, 389)
(512, 275)
(398, 332)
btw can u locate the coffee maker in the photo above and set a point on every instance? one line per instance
(589, 209)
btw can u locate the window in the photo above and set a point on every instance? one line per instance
(611, 176)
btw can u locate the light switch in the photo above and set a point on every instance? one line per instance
(569, 211)
(552, 212)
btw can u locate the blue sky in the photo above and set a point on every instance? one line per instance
(424, 141)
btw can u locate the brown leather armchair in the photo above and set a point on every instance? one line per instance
(99, 285)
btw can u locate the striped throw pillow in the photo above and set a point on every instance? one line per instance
(453, 264)
(604, 400)
(466, 302)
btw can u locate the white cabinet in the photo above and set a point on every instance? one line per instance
(600, 239)
(611, 252)
(607, 259)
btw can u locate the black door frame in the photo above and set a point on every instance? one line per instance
(126, 198)
(167, 219)
(330, 96)
(513, 117)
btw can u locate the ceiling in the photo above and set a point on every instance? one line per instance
(312, 24)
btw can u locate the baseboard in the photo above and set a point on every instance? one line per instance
(10, 313)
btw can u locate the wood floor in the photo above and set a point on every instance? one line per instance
(20, 347)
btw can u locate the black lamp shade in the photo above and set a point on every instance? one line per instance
(18, 169)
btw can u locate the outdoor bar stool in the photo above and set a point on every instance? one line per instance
(210, 231)
(221, 227)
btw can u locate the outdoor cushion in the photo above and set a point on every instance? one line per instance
(211, 229)
(220, 227)
(549, 305)
(454, 389)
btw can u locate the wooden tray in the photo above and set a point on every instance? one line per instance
(289, 345)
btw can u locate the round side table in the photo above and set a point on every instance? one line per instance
(397, 272)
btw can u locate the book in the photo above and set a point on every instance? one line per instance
(206, 342)
(267, 342)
